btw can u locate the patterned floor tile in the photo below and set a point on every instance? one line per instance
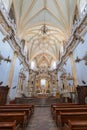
(42, 120)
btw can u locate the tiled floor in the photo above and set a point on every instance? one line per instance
(42, 120)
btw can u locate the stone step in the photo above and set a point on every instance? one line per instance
(42, 105)
(37, 101)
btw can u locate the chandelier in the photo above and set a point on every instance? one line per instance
(44, 29)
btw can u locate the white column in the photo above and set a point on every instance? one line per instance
(11, 73)
(29, 84)
(72, 60)
(57, 82)
(51, 81)
(19, 88)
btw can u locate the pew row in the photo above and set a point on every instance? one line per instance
(53, 106)
(19, 117)
(30, 105)
(19, 112)
(66, 106)
(27, 112)
(63, 117)
(18, 107)
(71, 109)
(76, 125)
(8, 126)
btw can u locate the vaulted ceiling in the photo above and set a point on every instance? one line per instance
(45, 25)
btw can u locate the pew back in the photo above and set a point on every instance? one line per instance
(76, 125)
(63, 117)
(8, 125)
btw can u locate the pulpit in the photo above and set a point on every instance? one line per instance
(3, 94)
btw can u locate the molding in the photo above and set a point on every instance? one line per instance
(10, 29)
(79, 28)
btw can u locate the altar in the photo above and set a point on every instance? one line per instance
(43, 95)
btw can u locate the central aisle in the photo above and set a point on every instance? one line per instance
(42, 120)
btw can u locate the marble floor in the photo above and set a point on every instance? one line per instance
(42, 120)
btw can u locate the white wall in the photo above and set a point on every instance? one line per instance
(68, 69)
(81, 67)
(6, 51)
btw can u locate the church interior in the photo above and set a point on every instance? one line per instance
(43, 56)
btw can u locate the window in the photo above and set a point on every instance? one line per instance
(43, 82)
(53, 65)
(32, 64)
(82, 4)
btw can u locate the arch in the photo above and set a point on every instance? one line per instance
(41, 52)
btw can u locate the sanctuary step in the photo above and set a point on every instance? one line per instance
(37, 101)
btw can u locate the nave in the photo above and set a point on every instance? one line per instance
(42, 120)
(43, 62)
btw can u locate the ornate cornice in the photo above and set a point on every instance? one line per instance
(10, 28)
(75, 38)
(10, 32)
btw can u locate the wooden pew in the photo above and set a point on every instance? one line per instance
(26, 110)
(30, 105)
(66, 106)
(17, 107)
(73, 109)
(20, 118)
(12, 109)
(62, 105)
(8, 126)
(76, 125)
(63, 117)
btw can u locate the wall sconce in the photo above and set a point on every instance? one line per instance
(1, 58)
(77, 60)
(84, 58)
(5, 38)
(5, 59)
(78, 37)
(82, 40)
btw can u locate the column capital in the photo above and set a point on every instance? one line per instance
(15, 53)
(71, 52)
